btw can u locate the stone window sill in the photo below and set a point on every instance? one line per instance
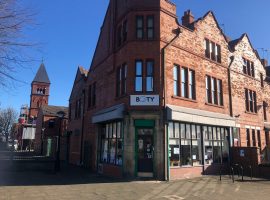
(185, 99)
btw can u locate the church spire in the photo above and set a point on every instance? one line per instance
(41, 75)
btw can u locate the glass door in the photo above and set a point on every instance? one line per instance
(145, 150)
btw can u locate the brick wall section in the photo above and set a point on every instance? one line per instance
(75, 124)
(188, 51)
(35, 98)
(49, 132)
(241, 81)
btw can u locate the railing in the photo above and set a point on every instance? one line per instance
(240, 172)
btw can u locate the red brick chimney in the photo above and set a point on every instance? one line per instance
(188, 18)
(264, 62)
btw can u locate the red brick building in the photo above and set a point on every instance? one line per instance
(76, 122)
(48, 127)
(164, 98)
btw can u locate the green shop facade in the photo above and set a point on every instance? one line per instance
(176, 143)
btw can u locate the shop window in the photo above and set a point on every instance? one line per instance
(150, 27)
(251, 101)
(112, 144)
(214, 91)
(248, 67)
(184, 144)
(121, 79)
(236, 137)
(212, 51)
(139, 27)
(189, 150)
(184, 82)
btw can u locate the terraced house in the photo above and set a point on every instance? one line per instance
(167, 97)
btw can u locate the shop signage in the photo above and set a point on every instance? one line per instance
(144, 100)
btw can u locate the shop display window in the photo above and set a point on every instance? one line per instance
(112, 144)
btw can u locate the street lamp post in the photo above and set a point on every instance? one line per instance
(61, 116)
(42, 138)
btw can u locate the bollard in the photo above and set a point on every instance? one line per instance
(232, 174)
(242, 172)
(220, 173)
(250, 172)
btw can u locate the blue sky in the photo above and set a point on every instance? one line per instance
(67, 32)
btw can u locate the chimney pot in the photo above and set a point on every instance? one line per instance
(188, 18)
(264, 62)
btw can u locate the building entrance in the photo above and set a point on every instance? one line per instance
(145, 151)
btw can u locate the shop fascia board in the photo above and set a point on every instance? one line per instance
(191, 115)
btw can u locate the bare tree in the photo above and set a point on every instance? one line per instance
(13, 20)
(8, 117)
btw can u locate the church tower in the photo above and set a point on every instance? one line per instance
(40, 90)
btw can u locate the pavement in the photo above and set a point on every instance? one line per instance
(74, 183)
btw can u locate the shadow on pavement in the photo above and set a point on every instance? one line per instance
(41, 174)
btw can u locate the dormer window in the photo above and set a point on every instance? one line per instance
(212, 50)
(248, 67)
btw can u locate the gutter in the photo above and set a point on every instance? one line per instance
(166, 139)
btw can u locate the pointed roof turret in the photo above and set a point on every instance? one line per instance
(42, 76)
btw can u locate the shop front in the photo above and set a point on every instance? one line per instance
(110, 139)
(198, 142)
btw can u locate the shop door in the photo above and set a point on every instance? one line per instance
(145, 151)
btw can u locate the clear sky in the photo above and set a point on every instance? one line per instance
(67, 33)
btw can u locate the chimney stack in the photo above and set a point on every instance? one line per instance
(188, 18)
(264, 62)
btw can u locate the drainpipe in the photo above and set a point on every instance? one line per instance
(231, 107)
(82, 134)
(230, 86)
(163, 53)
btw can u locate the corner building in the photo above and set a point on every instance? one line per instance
(158, 94)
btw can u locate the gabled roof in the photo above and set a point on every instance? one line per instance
(192, 25)
(234, 43)
(41, 75)
(79, 81)
(53, 110)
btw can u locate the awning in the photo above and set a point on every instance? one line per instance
(199, 116)
(112, 113)
(29, 133)
(267, 126)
